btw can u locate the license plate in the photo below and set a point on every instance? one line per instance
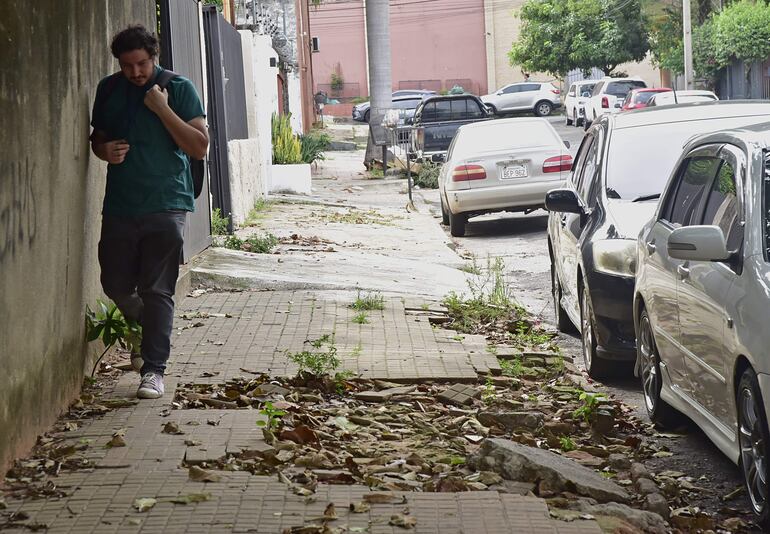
(514, 171)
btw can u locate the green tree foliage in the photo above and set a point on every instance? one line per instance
(742, 32)
(560, 35)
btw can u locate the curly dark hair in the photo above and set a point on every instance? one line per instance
(135, 37)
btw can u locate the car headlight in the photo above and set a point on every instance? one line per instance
(615, 256)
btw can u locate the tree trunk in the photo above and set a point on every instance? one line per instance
(380, 85)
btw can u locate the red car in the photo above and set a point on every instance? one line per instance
(638, 98)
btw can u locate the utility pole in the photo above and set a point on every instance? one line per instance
(378, 47)
(689, 73)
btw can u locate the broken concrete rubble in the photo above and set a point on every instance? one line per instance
(528, 464)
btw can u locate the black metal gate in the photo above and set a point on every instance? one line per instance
(227, 102)
(179, 29)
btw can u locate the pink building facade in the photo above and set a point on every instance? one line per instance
(435, 44)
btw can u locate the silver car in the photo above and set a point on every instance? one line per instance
(541, 98)
(500, 165)
(702, 297)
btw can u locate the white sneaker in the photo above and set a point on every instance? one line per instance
(151, 386)
(137, 362)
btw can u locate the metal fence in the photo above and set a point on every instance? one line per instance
(181, 51)
(427, 85)
(466, 83)
(227, 102)
(345, 91)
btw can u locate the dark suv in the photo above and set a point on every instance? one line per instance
(619, 172)
(441, 116)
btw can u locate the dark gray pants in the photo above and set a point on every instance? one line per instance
(139, 257)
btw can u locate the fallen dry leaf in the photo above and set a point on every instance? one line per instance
(142, 505)
(384, 498)
(191, 498)
(301, 435)
(199, 474)
(172, 428)
(359, 507)
(403, 521)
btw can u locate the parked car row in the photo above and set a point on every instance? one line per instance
(659, 246)
(659, 241)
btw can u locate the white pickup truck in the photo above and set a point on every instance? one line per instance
(608, 96)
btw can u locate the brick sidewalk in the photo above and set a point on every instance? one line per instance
(240, 333)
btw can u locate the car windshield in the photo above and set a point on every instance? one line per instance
(621, 89)
(496, 136)
(587, 88)
(644, 97)
(641, 159)
(406, 104)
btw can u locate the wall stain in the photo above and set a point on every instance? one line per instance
(18, 208)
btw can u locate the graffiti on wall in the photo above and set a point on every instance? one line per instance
(18, 208)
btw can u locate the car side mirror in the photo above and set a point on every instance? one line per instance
(698, 243)
(566, 143)
(563, 201)
(499, 93)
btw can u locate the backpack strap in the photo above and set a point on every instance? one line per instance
(164, 78)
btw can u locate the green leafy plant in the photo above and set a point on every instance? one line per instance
(261, 208)
(109, 325)
(317, 361)
(337, 81)
(361, 318)
(255, 243)
(274, 416)
(591, 402)
(513, 368)
(427, 177)
(287, 149)
(369, 301)
(566, 444)
(488, 394)
(313, 145)
(356, 352)
(218, 223)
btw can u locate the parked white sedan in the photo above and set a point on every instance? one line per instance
(702, 298)
(500, 165)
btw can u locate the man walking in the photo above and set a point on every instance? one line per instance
(147, 135)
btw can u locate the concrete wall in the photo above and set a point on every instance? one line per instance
(433, 44)
(265, 98)
(247, 178)
(51, 188)
(295, 102)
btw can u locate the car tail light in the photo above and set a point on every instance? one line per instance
(463, 173)
(556, 91)
(558, 164)
(605, 102)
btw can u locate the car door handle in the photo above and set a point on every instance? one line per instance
(650, 246)
(683, 272)
(563, 221)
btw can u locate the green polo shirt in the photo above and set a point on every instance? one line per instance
(155, 176)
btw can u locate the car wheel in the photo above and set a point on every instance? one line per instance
(457, 224)
(492, 109)
(754, 438)
(444, 213)
(659, 411)
(586, 124)
(596, 367)
(367, 115)
(575, 119)
(568, 120)
(563, 322)
(543, 108)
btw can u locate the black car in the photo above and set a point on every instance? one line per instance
(441, 116)
(402, 99)
(620, 170)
